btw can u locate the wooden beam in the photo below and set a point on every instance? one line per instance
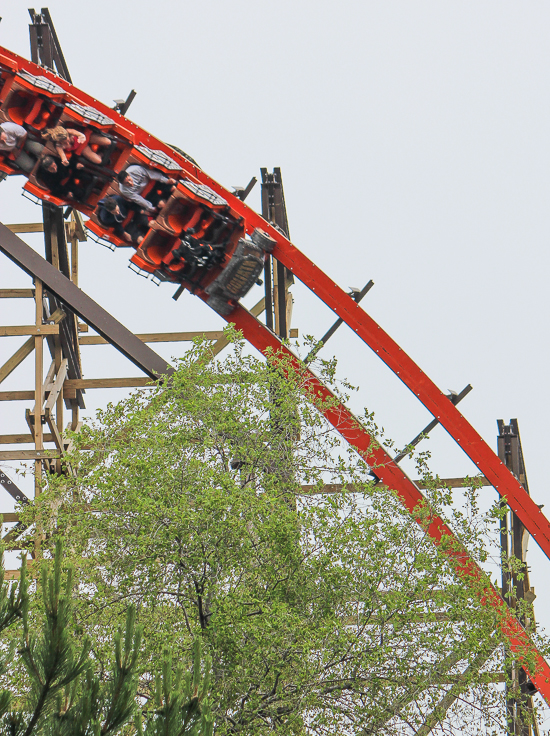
(58, 441)
(27, 227)
(443, 482)
(17, 358)
(16, 395)
(75, 383)
(18, 330)
(57, 437)
(26, 349)
(73, 428)
(9, 517)
(59, 363)
(21, 439)
(29, 418)
(75, 228)
(38, 391)
(16, 574)
(329, 488)
(71, 384)
(16, 293)
(29, 454)
(48, 381)
(56, 386)
(456, 482)
(158, 337)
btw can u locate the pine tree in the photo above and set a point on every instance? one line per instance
(63, 695)
(13, 603)
(181, 705)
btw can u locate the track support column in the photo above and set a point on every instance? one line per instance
(515, 585)
(277, 278)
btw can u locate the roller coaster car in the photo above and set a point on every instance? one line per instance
(197, 239)
(36, 103)
(191, 238)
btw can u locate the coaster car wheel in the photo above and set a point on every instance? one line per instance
(263, 240)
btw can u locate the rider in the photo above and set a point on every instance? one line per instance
(64, 182)
(13, 138)
(112, 211)
(133, 180)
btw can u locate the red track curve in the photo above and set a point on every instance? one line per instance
(395, 478)
(412, 376)
(386, 348)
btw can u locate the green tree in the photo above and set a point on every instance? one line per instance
(59, 692)
(330, 614)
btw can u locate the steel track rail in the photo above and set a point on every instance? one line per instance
(437, 403)
(349, 427)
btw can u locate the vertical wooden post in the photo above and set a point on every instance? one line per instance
(39, 379)
(38, 398)
(74, 252)
(54, 244)
(72, 235)
(518, 699)
(59, 402)
(58, 355)
(276, 275)
(276, 294)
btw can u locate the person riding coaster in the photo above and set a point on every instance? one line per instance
(70, 182)
(113, 212)
(133, 180)
(67, 140)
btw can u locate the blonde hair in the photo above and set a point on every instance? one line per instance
(56, 135)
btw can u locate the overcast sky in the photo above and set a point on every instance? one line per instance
(413, 139)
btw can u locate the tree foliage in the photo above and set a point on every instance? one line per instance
(323, 613)
(54, 686)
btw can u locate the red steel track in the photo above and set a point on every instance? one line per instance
(387, 349)
(412, 376)
(394, 477)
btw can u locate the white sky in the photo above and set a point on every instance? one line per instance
(414, 147)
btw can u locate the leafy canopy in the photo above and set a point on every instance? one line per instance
(322, 613)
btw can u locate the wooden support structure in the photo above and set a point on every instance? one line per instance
(515, 585)
(159, 337)
(56, 389)
(57, 332)
(16, 293)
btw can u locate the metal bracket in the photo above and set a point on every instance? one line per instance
(455, 399)
(121, 106)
